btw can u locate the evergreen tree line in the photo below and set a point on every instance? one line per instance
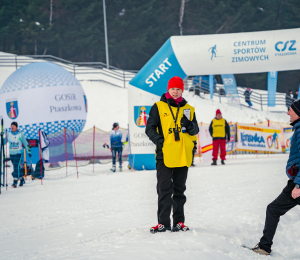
(74, 29)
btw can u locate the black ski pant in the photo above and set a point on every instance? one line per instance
(15, 159)
(282, 204)
(116, 151)
(170, 189)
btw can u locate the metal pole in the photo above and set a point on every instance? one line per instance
(105, 31)
(66, 150)
(6, 160)
(94, 149)
(75, 153)
(41, 156)
(124, 79)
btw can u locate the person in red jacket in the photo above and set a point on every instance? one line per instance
(219, 129)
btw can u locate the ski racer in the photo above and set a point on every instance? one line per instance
(116, 146)
(172, 127)
(16, 139)
(290, 195)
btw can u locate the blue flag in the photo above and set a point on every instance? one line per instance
(211, 86)
(272, 88)
(231, 89)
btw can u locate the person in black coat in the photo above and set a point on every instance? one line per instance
(172, 127)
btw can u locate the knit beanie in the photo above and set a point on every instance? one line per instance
(115, 125)
(176, 82)
(15, 124)
(296, 107)
(218, 112)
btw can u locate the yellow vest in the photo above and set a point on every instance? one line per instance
(176, 153)
(218, 127)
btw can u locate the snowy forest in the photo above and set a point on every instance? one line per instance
(74, 29)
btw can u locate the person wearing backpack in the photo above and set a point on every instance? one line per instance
(172, 127)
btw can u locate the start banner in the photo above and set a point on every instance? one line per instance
(205, 143)
(257, 138)
(287, 137)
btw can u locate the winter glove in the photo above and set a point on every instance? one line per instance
(160, 143)
(184, 121)
(293, 170)
(29, 154)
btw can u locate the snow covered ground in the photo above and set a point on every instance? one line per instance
(108, 216)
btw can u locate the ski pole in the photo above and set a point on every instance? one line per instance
(25, 164)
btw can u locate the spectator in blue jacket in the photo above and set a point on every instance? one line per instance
(116, 146)
(290, 196)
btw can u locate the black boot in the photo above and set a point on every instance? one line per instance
(222, 161)
(22, 181)
(15, 183)
(214, 162)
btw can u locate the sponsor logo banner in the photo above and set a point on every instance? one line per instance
(205, 143)
(259, 138)
(287, 137)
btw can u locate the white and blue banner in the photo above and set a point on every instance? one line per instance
(231, 89)
(272, 88)
(211, 86)
(183, 56)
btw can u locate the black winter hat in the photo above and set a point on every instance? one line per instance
(15, 124)
(115, 125)
(296, 107)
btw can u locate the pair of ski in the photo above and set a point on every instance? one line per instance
(2, 158)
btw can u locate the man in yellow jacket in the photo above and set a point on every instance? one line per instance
(172, 127)
(218, 130)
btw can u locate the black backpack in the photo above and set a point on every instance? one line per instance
(37, 172)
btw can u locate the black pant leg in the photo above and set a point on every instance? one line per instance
(282, 204)
(120, 155)
(15, 159)
(164, 192)
(114, 154)
(179, 199)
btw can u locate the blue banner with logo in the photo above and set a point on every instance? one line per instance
(231, 89)
(211, 86)
(272, 88)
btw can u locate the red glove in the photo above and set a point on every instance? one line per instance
(293, 170)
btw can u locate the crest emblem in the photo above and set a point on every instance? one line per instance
(141, 115)
(12, 109)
